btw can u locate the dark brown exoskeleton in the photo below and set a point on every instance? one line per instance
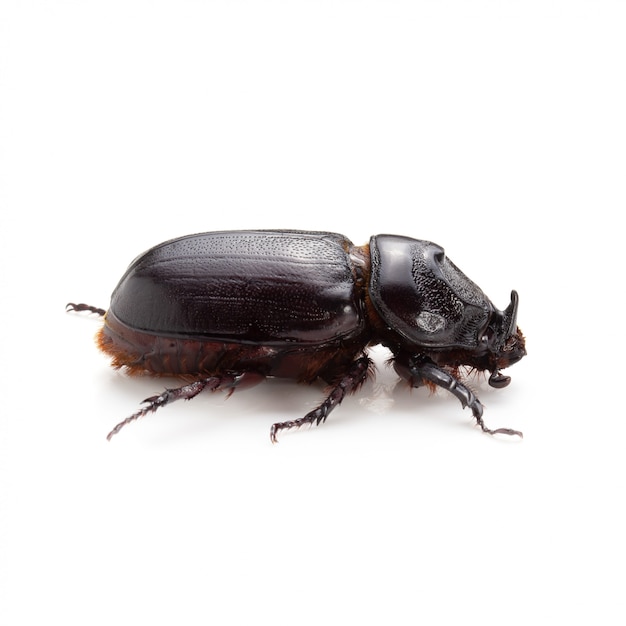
(227, 309)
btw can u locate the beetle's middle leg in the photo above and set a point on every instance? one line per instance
(350, 382)
(225, 382)
(421, 369)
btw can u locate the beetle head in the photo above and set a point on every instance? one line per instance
(502, 343)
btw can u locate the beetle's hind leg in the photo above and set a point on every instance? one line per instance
(70, 306)
(225, 382)
(348, 383)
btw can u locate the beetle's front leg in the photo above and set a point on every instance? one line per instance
(420, 370)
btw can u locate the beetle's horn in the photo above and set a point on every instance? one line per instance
(510, 315)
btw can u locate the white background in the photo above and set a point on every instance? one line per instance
(495, 129)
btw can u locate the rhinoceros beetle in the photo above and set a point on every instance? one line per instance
(224, 310)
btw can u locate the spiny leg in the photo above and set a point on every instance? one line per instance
(350, 382)
(70, 306)
(213, 383)
(423, 369)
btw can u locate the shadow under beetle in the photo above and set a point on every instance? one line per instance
(224, 310)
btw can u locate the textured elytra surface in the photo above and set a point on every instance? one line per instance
(260, 286)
